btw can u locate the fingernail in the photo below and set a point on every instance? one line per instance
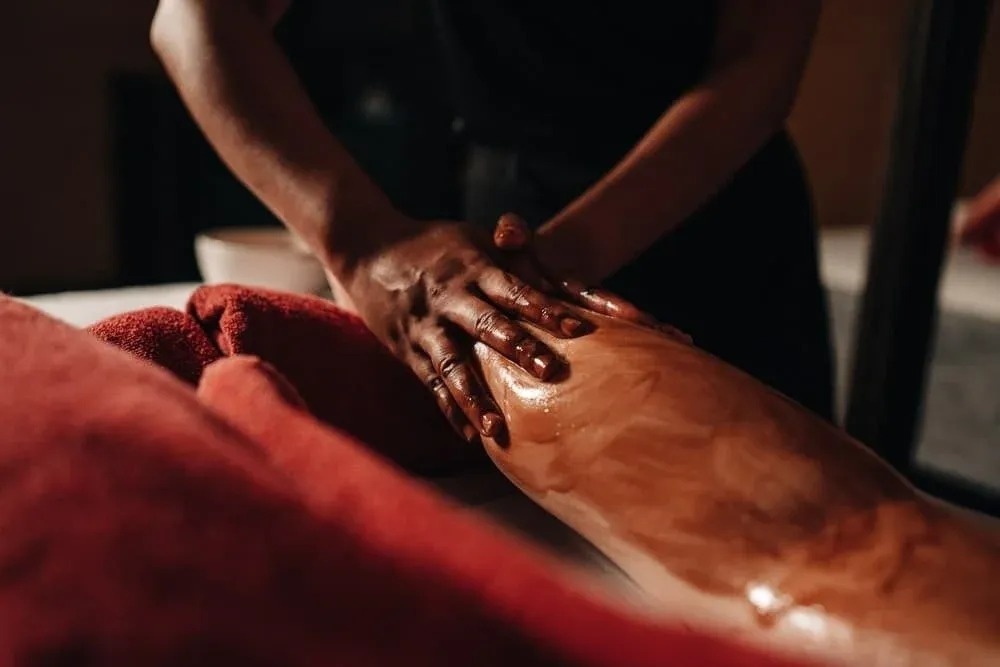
(544, 365)
(570, 325)
(492, 424)
(469, 433)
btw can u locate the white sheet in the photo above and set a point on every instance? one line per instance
(84, 308)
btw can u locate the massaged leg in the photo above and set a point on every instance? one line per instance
(720, 496)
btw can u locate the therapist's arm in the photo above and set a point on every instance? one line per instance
(414, 283)
(695, 147)
(427, 289)
(249, 103)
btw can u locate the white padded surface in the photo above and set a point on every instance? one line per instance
(87, 307)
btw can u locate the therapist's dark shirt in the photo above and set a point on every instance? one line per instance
(585, 77)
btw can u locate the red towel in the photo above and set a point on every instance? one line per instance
(163, 336)
(345, 376)
(142, 526)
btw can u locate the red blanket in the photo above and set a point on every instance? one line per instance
(144, 522)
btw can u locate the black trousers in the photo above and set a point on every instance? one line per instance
(741, 275)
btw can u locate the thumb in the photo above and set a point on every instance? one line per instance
(511, 232)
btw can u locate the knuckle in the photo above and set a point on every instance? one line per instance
(448, 269)
(518, 292)
(471, 402)
(436, 290)
(488, 322)
(550, 312)
(449, 365)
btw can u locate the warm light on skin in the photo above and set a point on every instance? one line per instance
(811, 621)
(763, 598)
(703, 486)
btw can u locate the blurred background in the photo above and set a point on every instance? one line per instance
(105, 181)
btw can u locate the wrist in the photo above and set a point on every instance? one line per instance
(355, 224)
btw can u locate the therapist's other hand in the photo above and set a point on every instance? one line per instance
(432, 292)
(513, 236)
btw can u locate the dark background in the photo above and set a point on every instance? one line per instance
(103, 179)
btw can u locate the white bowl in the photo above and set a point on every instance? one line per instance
(258, 256)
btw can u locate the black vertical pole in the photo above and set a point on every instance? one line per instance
(899, 309)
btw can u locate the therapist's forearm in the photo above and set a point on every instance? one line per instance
(692, 151)
(248, 101)
(685, 159)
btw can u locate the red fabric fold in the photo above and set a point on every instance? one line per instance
(343, 373)
(164, 336)
(143, 526)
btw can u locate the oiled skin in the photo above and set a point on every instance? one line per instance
(724, 500)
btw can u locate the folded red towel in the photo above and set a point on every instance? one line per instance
(141, 527)
(163, 336)
(138, 527)
(343, 373)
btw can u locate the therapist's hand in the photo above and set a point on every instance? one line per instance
(433, 291)
(513, 236)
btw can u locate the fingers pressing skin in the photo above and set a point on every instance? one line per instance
(423, 368)
(517, 297)
(606, 303)
(487, 324)
(512, 234)
(525, 265)
(461, 380)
